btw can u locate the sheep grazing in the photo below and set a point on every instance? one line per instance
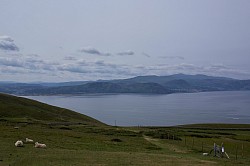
(27, 140)
(19, 143)
(38, 145)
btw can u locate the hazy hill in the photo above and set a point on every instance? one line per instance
(102, 87)
(59, 84)
(141, 84)
(192, 83)
(17, 88)
(178, 84)
(25, 110)
(164, 79)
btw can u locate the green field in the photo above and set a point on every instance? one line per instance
(74, 139)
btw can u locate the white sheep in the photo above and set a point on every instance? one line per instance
(19, 143)
(39, 145)
(205, 154)
(27, 140)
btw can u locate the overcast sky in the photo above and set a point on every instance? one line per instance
(65, 40)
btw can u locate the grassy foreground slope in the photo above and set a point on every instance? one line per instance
(25, 110)
(92, 143)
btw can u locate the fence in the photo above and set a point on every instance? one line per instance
(234, 148)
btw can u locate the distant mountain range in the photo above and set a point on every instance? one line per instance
(178, 83)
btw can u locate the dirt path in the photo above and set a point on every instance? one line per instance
(166, 146)
(178, 152)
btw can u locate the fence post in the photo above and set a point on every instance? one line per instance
(193, 143)
(202, 147)
(215, 149)
(185, 141)
(242, 150)
(173, 137)
(168, 136)
(236, 155)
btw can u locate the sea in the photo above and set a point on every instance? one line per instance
(158, 110)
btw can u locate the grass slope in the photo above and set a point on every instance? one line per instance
(91, 143)
(25, 110)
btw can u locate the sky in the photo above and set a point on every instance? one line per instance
(65, 40)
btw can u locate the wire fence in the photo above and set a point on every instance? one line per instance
(234, 149)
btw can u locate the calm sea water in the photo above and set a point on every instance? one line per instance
(159, 110)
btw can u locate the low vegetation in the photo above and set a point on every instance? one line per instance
(89, 142)
(18, 109)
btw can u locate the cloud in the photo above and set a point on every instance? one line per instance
(72, 68)
(7, 44)
(98, 69)
(218, 66)
(32, 55)
(186, 68)
(11, 62)
(32, 64)
(128, 52)
(13, 71)
(94, 51)
(172, 57)
(69, 58)
(90, 50)
(165, 69)
(146, 55)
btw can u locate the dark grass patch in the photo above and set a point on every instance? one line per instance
(202, 136)
(65, 128)
(116, 140)
(242, 139)
(153, 148)
(162, 135)
(112, 132)
(209, 132)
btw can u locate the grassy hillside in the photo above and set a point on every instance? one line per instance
(92, 143)
(25, 110)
